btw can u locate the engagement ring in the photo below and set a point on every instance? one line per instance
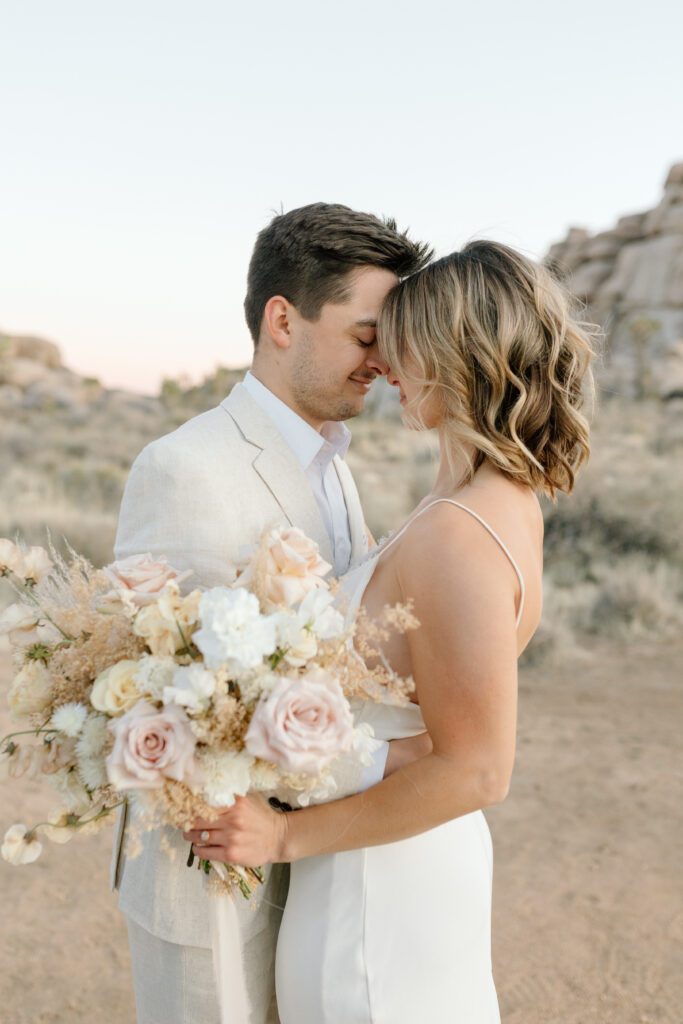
(204, 836)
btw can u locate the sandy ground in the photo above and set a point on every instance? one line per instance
(588, 922)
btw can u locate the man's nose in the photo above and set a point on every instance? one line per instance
(375, 363)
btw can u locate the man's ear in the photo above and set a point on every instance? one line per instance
(276, 320)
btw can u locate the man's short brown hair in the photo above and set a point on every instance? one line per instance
(305, 256)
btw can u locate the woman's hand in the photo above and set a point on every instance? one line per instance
(403, 752)
(250, 833)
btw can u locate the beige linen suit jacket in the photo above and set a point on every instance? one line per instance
(198, 495)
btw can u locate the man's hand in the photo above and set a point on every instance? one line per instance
(403, 752)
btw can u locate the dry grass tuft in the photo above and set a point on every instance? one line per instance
(614, 557)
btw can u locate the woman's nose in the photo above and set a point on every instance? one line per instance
(392, 378)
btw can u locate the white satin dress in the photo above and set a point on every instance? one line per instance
(398, 933)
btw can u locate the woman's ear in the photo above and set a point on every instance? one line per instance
(276, 320)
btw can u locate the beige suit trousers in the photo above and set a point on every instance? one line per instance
(175, 985)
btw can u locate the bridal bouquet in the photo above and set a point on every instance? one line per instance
(130, 690)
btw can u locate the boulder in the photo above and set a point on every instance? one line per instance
(631, 278)
(19, 346)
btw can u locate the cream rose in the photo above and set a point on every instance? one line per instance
(139, 579)
(151, 745)
(116, 689)
(288, 565)
(31, 690)
(303, 723)
(168, 624)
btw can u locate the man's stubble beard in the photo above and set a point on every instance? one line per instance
(316, 394)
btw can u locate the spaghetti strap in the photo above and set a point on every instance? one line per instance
(475, 515)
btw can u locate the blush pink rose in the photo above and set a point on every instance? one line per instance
(139, 579)
(302, 724)
(151, 745)
(290, 568)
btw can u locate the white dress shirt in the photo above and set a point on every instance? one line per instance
(314, 451)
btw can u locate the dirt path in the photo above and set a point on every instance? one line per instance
(588, 923)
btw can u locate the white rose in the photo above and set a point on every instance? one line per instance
(31, 690)
(116, 690)
(20, 846)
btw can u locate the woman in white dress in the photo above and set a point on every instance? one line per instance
(389, 907)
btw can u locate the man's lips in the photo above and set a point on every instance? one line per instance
(364, 382)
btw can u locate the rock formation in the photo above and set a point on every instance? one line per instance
(631, 279)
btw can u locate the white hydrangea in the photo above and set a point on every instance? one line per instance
(153, 674)
(234, 633)
(192, 688)
(227, 775)
(93, 737)
(69, 718)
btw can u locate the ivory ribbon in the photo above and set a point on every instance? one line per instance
(228, 958)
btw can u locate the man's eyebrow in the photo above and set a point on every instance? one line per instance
(367, 321)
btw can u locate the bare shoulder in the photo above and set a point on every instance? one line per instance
(451, 525)
(449, 553)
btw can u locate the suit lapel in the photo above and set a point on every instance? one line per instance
(278, 467)
(359, 538)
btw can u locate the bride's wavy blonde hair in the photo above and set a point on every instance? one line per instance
(491, 334)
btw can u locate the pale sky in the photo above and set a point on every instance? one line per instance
(146, 142)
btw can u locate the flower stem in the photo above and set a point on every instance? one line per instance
(102, 813)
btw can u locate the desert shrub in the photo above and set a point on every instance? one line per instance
(613, 549)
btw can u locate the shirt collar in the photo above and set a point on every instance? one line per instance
(305, 442)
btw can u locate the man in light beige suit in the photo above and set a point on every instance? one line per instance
(270, 453)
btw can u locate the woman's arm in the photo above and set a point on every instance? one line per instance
(464, 658)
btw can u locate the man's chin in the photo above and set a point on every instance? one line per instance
(346, 410)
